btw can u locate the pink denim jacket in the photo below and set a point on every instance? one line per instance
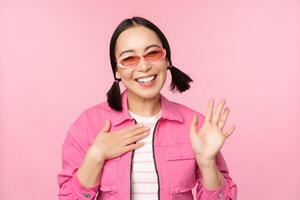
(175, 162)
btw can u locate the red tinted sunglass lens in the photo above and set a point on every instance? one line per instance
(130, 61)
(154, 55)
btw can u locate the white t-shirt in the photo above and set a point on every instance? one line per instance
(144, 177)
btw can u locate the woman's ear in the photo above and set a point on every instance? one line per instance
(168, 63)
(118, 75)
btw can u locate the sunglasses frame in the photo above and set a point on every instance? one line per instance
(142, 57)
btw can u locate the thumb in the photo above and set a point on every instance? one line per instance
(106, 126)
(194, 124)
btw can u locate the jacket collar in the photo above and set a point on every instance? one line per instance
(169, 110)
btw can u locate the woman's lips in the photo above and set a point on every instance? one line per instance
(147, 84)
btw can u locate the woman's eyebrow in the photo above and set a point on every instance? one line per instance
(148, 47)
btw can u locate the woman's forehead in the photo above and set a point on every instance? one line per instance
(136, 38)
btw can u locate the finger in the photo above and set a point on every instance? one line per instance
(223, 119)
(106, 127)
(209, 109)
(194, 124)
(134, 139)
(130, 128)
(136, 132)
(131, 147)
(140, 136)
(229, 131)
(217, 114)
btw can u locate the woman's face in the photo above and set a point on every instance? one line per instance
(137, 39)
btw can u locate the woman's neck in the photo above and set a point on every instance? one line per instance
(143, 106)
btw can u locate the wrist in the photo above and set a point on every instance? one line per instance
(204, 162)
(95, 154)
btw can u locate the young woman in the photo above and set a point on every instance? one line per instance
(139, 144)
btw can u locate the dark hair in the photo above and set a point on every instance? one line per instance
(180, 81)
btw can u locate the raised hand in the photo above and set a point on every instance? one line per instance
(208, 141)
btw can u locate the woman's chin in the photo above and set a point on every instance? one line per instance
(147, 93)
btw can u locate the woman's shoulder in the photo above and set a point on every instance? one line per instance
(185, 109)
(186, 112)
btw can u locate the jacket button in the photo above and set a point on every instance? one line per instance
(220, 195)
(87, 195)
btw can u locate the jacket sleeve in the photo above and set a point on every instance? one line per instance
(227, 190)
(73, 151)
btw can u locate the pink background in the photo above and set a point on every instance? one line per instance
(55, 63)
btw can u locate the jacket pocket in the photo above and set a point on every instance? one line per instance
(181, 166)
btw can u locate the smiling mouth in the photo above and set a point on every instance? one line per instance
(146, 79)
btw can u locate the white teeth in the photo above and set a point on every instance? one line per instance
(147, 79)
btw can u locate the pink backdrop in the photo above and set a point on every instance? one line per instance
(55, 63)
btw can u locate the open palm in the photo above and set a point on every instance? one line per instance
(209, 139)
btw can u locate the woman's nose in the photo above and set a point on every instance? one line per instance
(143, 65)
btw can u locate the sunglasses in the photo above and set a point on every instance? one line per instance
(151, 56)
